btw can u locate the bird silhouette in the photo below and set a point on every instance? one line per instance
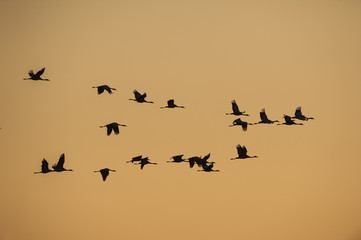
(135, 159)
(289, 121)
(242, 153)
(198, 160)
(144, 161)
(105, 172)
(36, 76)
(44, 167)
(59, 167)
(238, 121)
(208, 168)
(300, 116)
(104, 87)
(264, 118)
(177, 159)
(140, 98)
(113, 127)
(236, 110)
(170, 104)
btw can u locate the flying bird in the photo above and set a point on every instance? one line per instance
(289, 121)
(104, 87)
(145, 161)
(59, 167)
(300, 116)
(242, 153)
(105, 172)
(264, 118)
(177, 159)
(140, 98)
(135, 159)
(238, 121)
(113, 127)
(36, 76)
(208, 168)
(198, 160)
(170, 104)
(236, 110)
(44, 167)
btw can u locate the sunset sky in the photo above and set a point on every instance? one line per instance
(277, 55)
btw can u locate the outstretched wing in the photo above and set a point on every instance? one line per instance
(244, 126)
(298, 112)
(31, 73)
(137, 95)
(238, 121)
(235, 107)
(45, 166)
(61, 161)
(39, 73)
(205, 158)
(116, 129)
(287, 118)
(109, 129)
(240, 150)
(100, 89)
(263, 115)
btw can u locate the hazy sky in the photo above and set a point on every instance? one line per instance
(277, 55)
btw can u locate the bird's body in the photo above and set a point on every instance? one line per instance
(105, 172)
(242, 153)
(177, 159)
(300, 116)
(289, 121)
(59, 167)
(140, 98)
(171, 104)
(145, 161)
(208, 167)
(44, 167)
(198, 160)
(264, 118)
(37, 76)
(113, 127)
(135, 159)
(236, 111)
(238, 122)
(104, 87)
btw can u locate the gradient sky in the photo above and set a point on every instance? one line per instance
(277, 55)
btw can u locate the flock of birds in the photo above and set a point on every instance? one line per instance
(201, 162)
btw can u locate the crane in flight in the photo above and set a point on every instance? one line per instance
(44, 167)
(104, 87)
(113, 127)
(264, 118)
(105, 172)
(208, 167)
(59, 167)
(135, 159)
(238, 122)
(171, 104)
(242, 153)
(236, 111)
(198, 160)
(145, 161)
(289, 121)
(300, 116)
(140, 98)
(37, 76)
(177, 159)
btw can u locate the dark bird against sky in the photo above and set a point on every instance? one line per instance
(113, 127)
(104, 87)
(105, 172)
(36, 76)
(140, 98)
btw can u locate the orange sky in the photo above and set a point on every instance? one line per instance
(276, 55)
